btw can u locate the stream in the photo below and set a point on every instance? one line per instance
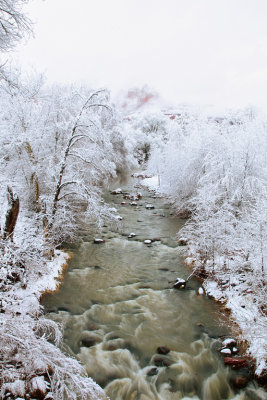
(139, 338)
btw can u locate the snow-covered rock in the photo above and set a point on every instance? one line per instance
(131, 235)
(201, 291)
(147, 241)
(179, 283)
(226, 351)
(98, 240)
(149, 206)
(182, 241)
(117, 191)
(229, 342)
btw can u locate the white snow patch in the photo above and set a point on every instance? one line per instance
(229, 342)
(201, 291)
(152, 183)
(226, 351)
(28, 299)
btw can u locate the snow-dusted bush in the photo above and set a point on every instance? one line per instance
(32, 363)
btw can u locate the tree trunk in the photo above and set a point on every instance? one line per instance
(11, 214)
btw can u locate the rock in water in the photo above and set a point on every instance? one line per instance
(229, 342)
(131, 235)
(179, 284)
(239, 382)
(117, 191)
(88, 341)
(235, 362)
(182, 241)
(147, 241)
(163, 350)
(98, 241)
(152, 372)
(226, 351)
(200, 291)
(150, 207)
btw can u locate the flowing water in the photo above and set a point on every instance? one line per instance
(118, 307)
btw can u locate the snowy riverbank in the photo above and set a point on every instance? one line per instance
(31, 360)
(235, 291)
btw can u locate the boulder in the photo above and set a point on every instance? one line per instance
(229, 342)
(226, 351)
(133, 203)
(235, 362)
(239, 382)
(149, 206)
(163, 350)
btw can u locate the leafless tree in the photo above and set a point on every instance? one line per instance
(14, 25)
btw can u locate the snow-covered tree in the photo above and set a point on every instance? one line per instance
(14, 25)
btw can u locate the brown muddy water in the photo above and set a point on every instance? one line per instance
(118, 306)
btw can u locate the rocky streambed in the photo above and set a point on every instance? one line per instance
(137, 336)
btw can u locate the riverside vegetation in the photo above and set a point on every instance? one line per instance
(60, 145)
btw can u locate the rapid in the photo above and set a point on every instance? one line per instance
(137, 336)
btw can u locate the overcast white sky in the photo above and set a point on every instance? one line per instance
(191, 51)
